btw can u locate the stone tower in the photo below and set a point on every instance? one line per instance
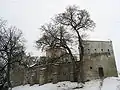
(99, 60)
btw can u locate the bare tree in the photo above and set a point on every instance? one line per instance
(76, 20)
(47, 40)
(57, 36)
(11, 48)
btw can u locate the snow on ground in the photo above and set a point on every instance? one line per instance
(110, 83)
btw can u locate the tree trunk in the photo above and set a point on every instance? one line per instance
(73, 62)
(8, 73)
(81, 53)
(81, 64)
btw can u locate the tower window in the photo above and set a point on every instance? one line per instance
(108, 50)
(101, 49)
(90, 67)
(95, 49)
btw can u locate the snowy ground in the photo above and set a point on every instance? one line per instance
(111, 83)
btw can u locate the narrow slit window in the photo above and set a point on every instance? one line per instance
(90, 67)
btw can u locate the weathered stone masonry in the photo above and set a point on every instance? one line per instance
(99, 61)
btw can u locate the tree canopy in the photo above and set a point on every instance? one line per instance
(11, 49)
(72, 20)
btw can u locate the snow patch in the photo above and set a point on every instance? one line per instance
(110, 83)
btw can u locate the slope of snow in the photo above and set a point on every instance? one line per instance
(110, 83)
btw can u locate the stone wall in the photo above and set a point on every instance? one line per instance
(51, 73)
(97, 54)
(17, 75)
(55, 52)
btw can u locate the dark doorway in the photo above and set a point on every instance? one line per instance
(101, 72)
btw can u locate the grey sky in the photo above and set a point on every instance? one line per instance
(29, 15)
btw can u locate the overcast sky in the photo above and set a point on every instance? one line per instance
(29, 15)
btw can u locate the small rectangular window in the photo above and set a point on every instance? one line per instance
(90, 67)
(101, 49)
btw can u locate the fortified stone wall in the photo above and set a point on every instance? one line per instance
(99, 61)
(55, 52)
(17, 75)
(51, 73)
(99, 54)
